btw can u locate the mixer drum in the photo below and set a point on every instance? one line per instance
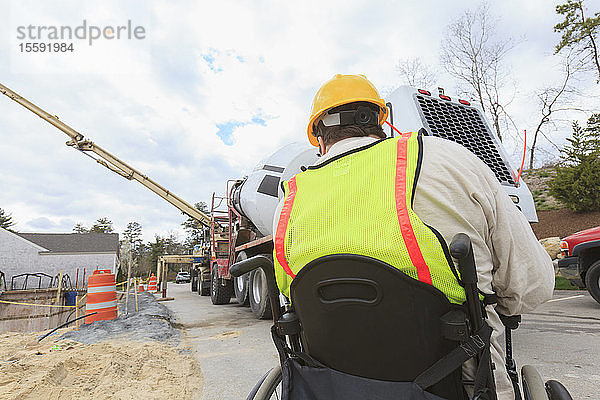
(257, 197)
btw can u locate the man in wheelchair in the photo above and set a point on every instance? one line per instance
(360, 249)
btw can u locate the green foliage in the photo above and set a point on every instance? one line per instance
(133, 234)
(196, 232)
(6, 220)
(561, 283)
(577, 180)
(79, 228)
(102, 225)
(162, 246)
(578, 31)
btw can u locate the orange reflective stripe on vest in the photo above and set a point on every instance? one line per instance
(284, 218)
(403, 218)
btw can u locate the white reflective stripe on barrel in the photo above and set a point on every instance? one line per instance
(105, 304)
(101, 289)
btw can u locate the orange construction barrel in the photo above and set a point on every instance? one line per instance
(101, 296)
(152, 283)
(141, 288)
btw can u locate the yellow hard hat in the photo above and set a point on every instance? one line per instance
(344, 89)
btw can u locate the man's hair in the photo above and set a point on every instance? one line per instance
(332, 134)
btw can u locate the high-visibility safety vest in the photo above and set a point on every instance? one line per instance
(360, 202)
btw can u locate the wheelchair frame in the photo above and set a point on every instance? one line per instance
(286, 325)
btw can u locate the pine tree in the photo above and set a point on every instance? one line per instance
(133, 234)
(79, 228)
(6, 220)
(579, 32)
(102, 225)
(577, 180)
(195, 230)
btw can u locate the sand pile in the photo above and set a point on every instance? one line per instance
(113, 369)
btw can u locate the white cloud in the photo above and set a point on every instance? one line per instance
(157, 103)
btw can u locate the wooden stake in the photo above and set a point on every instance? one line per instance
(59, 286)
(129, 262)
(77, 312)
(164, 279)
(135, 289)
(158, 273)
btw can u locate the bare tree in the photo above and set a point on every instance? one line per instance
(472, 52)
(415, 73)
(555, 99)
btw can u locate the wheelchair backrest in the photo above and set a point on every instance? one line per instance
(364, 317)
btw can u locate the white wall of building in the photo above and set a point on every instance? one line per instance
(18, 256)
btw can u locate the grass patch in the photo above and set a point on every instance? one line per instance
(561, 283)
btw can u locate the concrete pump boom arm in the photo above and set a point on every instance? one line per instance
(108, 160)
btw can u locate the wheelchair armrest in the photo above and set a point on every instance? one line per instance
(510, 321)
(241, 267)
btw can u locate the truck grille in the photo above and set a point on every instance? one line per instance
(464, 125)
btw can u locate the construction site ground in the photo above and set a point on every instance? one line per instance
(188, 348)
(561, 338)
(139, 355)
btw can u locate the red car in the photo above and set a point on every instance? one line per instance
(581, 252)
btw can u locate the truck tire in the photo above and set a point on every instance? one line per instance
(240, 284)
(259, 295)
(194, 280)
(203, 282)
(204, 288)
(240, 287)
(199, 284)
(221, 289)
(592, 280)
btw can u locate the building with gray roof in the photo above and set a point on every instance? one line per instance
(73, 253)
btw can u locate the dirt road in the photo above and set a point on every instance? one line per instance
(561, 338)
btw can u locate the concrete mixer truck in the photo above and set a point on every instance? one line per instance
(247, 208)
(240, 220)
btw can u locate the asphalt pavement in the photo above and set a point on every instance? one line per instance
(234, 348)
(561, 339)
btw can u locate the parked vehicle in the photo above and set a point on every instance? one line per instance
(182, 277)
(581, 252)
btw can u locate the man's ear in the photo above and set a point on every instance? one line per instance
(322, 147)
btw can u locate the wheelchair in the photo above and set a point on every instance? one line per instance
(361, 329)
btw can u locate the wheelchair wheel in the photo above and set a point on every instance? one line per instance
(557, 391)
(269, 387)
(533, 385)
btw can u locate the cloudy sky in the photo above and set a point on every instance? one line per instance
(212, 88)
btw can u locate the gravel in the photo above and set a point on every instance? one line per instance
(153, 321)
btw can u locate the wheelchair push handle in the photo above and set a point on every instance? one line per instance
(462, 249)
